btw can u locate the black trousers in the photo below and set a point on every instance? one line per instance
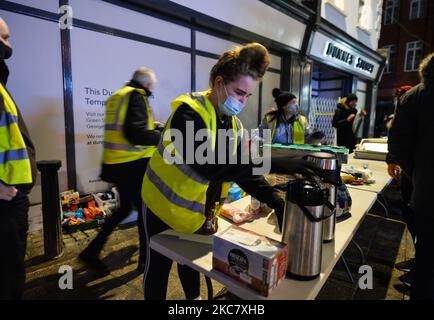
(130, 194)
(13, 242)
(422, 287)
(158, 266)
(408, 214)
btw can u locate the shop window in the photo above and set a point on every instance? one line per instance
(417, 9)
(392, 12)
(391, 58)
(413, 56)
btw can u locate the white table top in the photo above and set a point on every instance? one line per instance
(379, 170)
(196, 251)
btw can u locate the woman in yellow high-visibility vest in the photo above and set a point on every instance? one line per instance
(286, 123)
(183, 179)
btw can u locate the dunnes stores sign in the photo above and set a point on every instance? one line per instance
(344, 55)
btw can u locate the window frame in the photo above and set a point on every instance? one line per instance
(394, 7)
(389, 50)
(416, 47)
(420, 12)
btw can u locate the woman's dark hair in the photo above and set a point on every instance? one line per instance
(426, 69)
(351, 97)
(281, 98)
(252, 60)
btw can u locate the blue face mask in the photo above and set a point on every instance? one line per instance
(231, 106)
(292, 108)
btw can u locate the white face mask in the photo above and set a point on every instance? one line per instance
(292, 108)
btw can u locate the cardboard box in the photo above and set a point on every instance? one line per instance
(251, 258)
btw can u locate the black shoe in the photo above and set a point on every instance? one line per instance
(406, 278)
(405, 266)
(92, 261)
(402, 288)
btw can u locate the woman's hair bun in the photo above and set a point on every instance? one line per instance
(276, 92)
(255, 58)
(252, 60)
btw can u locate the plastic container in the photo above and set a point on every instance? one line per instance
(234, 194)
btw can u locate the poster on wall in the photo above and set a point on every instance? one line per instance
(102, 64)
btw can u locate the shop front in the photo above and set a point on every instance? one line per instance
(342, 67)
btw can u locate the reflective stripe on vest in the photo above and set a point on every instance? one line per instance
(15, 167)
(175, 192)
(13, 155)
(299, 127)
(117, 149)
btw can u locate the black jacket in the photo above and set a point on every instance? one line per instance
(411, 141)
(345, 134)
(25, 188)
(135, 130)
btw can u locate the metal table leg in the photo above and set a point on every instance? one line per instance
(347, 269)
(362, 254)
(383, 203)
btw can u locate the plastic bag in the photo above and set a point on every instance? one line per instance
(236, 215)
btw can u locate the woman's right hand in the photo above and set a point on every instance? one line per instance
(351, 117)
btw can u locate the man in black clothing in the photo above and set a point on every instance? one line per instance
(139, 129)
(407, 213)
(411, 143)
(395, 172)
(343, 121)
(14, 201)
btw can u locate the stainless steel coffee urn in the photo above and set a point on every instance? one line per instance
(303, 228)
(329, 164)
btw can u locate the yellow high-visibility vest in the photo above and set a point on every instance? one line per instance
(15, 167)
(117, 149)
(299, 127)
(175, 192)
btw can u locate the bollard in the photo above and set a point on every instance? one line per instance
(51, 213)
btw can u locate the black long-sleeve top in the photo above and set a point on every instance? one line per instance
(344, 128)
(411, 143)
(217, 173)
